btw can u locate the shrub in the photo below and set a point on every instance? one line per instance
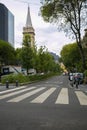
(85, 73)
(15, 77)
(12, 78)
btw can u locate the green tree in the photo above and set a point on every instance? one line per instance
(26, 53)
(71, 57)
(69, 15)
(7, 53)
(18, 56)
(45, 61)
(41, 55)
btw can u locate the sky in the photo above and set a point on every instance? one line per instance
(46, 34)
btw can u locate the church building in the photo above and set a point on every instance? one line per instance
(28, 29)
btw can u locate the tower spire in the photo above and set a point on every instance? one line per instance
(28, 29)
(28, 21)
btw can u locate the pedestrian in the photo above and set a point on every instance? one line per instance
(77, 79)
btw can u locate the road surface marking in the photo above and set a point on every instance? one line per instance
(15, 93)
(6, 91)
(63, 97)
(24, 96)
(81, 97)
(43, 96)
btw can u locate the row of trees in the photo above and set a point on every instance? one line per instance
(28, 57)
(71, 57)
(40, 59)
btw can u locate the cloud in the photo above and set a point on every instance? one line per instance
(51, 38)
(46, 34)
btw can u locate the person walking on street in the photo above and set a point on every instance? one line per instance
(77, 79)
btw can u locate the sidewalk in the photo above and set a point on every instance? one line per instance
(10, 86)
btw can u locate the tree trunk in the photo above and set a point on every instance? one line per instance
(82, 56)
(27, 70)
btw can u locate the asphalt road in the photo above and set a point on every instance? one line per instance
(47, 105)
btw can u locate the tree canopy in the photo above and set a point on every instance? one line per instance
(26, 53)
(7, 53)
(45, 60)
(69, 15)
(71, 57)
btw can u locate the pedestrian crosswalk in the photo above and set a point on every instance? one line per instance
(24, 96)
(41, 94)
(82, 98)
(15, 93)
(44, 96)
(63, 97)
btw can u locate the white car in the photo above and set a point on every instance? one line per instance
(71, 75)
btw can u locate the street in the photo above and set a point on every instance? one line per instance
(51, 104)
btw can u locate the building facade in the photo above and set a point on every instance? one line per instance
(6, 25)
(28, 29)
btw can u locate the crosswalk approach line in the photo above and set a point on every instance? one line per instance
(81, 97)
(15, 93)
(6, 91)
(63, 97)
(43, 96)
(24, 96)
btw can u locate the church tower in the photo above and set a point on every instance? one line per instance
(28, 29)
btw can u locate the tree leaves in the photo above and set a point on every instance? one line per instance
(7, 53)
(71, 57)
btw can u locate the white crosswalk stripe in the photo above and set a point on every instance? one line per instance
(22, 97)
(15, 93)
(6, 91)
(63, 97)
(43, 96)
(81, 97)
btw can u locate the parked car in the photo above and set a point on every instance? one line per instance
(71, 76)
